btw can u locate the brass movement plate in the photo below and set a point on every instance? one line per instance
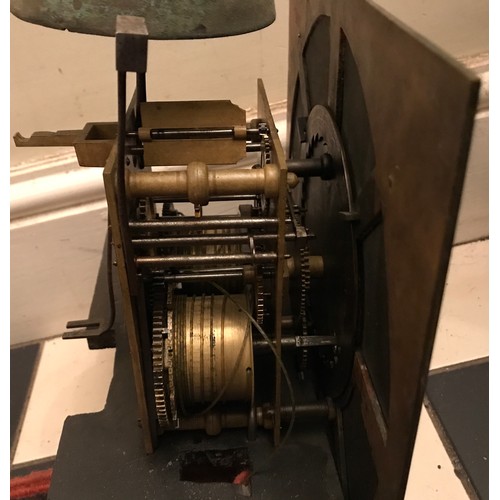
(193, 114)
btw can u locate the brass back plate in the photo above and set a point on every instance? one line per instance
(405, 113)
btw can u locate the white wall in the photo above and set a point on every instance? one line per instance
(62, 80)
(460, 29)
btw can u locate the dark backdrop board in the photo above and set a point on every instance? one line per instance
(459, 404)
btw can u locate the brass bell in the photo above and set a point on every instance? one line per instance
(165, 19)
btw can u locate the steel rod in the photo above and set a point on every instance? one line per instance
(192, 223)
(196, 133)
(202, 240)
(250, 148)
(287, 342)
(120, 154)
(319, 409)
(140, 96)
(191, 133)
(176, 278)
(241, 197)
(298, 341)
(254, 148)
(214, 270)
(265, 416)
(323, 167)
(165, 262)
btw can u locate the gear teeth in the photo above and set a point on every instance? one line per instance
(259, 298)
(142, 209)
(267, 147)
(305, 278)
(157, 353)
(161, 355)
(169, 361)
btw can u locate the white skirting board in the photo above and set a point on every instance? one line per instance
(53, 268)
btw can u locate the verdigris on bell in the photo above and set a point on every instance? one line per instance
(166, 20)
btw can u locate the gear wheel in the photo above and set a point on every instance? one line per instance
(162, 355)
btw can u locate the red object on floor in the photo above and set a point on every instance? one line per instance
(242, 477)
(34, 484)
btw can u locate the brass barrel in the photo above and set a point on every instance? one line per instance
(210, 333)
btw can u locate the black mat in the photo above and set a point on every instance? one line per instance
(22, 368)
(459, 399)
(101, 455)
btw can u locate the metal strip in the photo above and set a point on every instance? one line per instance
(109, 176)
(278, 157)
